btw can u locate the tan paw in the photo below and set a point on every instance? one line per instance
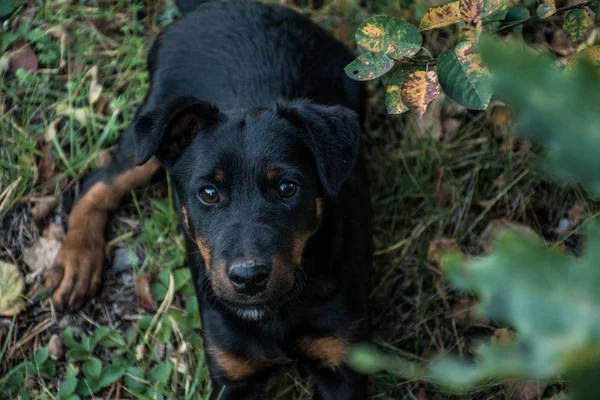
(75, 276)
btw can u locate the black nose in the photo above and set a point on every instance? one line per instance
(249, 278)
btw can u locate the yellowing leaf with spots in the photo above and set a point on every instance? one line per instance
(464, 78)
(470, 11)
(491, 7)
(389, 35)
(591, 54)
(11, 286)
(546, 9)
(469, 34)
(440, 16)
(419, 89)
(393, 97)
(369, 66)
(576, 24)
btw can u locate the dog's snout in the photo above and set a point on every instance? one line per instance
(249, 278)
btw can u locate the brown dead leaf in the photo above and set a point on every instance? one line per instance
(45, 163)
(525, 390)
(450, 127)
(54, 232)
(438, 248)
(142, 290)
(502, 336)
(55, 347)
(463, 313)
(575, 215)
(443, 194)
(422, 394)
(501, 120)
(103, 159)
(23, 57)
(43, 207)
(488, 237)
(40, 257)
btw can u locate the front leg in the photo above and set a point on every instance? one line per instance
(235, 377)
(333, 379)
(341, 383)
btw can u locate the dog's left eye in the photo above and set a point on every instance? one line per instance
(208, 195)
(287, 189)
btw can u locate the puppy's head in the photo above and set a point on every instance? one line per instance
(252, 185)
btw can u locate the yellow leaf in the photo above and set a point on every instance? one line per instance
(440, 16)
(11, 286)
(419, 89)
(81, 114)
(591, 54)
(470, 11)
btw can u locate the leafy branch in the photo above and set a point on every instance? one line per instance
(416, 81)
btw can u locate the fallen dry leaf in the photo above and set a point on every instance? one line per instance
(40, 256)
(575, 215)
(502, 336)
(23, 58)
(52, 130)
(43, 207)
(525, 390)
(55, 232)
(438, 248)
(11, 286)
(95, 88)
(55, 347)
(45, 164)
(488, 237)
(443, 194)
(450, 127)
(464, 314)
(142, 290)
(422, 394)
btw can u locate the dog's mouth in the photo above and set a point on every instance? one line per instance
(249, 312)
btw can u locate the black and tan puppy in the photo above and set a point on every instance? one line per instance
(252, 116)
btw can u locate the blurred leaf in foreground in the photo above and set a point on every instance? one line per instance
(550, 299)
(560, 110)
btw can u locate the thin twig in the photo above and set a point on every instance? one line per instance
(535, 17)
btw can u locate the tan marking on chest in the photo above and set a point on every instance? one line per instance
(330, 349)
(234, 368)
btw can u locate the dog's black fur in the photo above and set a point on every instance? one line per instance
(249, 106)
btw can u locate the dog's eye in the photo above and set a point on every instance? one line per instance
(208, 195)
(287, 189)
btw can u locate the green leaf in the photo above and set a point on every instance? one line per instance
(590, 54)
(576, 24)
(7, 7)
(183, 281)
(546, 9)
(440, 16)
(68, 340)
(369, 66)
(41, 356)
(71, 397)
(595, 6)
(539, 92)
(464, 78)
(517, 14)
(134, 379)
(92, 368)
(111, 374)
(389, 35)
(160, 374)
(113, 339)
(491, 7)
(67, 387)
(393, 94)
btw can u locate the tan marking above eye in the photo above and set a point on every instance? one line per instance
(319, 207)
(219, 176)
(331, 350)
(272, 174)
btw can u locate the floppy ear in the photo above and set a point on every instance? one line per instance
(331, 133)
(166, 131)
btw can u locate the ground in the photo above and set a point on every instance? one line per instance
(436, 182)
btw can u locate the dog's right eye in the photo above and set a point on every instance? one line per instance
(208, 195)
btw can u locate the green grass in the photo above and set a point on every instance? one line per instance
(412, 305)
